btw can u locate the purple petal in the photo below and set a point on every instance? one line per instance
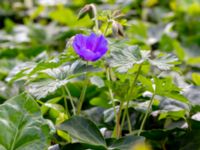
(97, 56)
(90, 48)
(87, 54)
(91, 41)
(80, 40)
(102, 46)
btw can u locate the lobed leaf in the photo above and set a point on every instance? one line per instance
(124, 58)
(164, 63)
(22, 126)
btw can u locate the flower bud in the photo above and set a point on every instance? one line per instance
(89, 9)
(117, 28)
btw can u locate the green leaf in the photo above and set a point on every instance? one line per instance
(84, 130)
(196, 78)
(60, 73)
(25, 71)
(146, 82)
(9, 25)
(175, 115)
(164, 63)
(175, 110)
(80, 67)
(97, 81)
(53, 78)
(20, 71)
(69, 70)
(22, 126)
(138, 31)
(194, 61)
(55, 111)
(63, 15)
(101, 101)
(43, 88)
(126, 143)
(125, 57)
(66, 16)
(49, 64)
(164, 87)
(57, 78)
(179, 50)
(162, 44)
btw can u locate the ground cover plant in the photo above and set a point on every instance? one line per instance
(100, 75)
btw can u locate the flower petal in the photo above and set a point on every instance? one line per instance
(97, 56)
(80, 40)
(90, 48)
(102, 46)
(91, 42)
(87, 54)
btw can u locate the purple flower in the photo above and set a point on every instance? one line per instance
(90, 48)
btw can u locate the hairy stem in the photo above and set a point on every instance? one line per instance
(118, 128)
(146, 114)
(71, 99)
(81, 99)
(129, 122)
(83, 92)
(113, 101)
(95, 16)
(65, 102)
(134, 82)
(126, 114)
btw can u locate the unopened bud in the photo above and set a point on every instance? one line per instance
(117, 28)
(85, 10)
(89, 9)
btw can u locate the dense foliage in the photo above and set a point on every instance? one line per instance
(100, 75)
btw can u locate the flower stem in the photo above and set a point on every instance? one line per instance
(83, 92)
(81, 99)
(146, 114)
(118, 128)
(71, 99)
(65, 103)
(95, 16)
(129, 122)
(113, 101)
(128, 100)
(134, 82)
(126, 114)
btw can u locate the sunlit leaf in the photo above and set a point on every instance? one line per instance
(97, 81)
(124, 58)
(22, 126)
(165, 62)
(43, 88)
(196, 78)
